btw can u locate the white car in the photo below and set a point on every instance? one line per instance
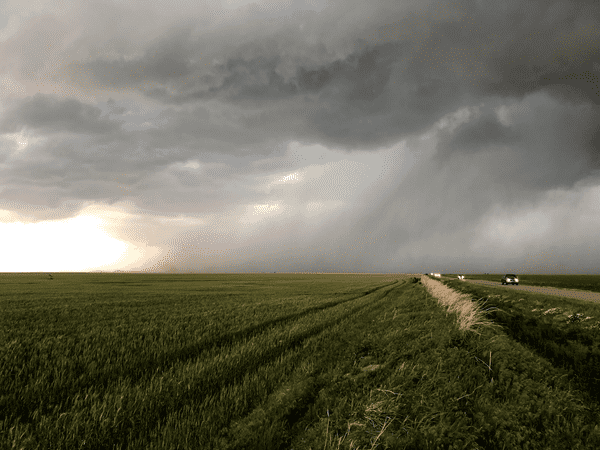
(510, 279)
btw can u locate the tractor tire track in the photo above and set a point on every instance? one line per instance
(214, 370)
(229, 367)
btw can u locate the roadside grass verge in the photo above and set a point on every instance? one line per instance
(566, 331)
(469, 315)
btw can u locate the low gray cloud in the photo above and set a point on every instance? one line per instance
(114, 109)
(51, 115)
(542, 143)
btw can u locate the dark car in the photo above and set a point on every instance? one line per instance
(510, 278)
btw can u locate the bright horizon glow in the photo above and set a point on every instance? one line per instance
(77, 244)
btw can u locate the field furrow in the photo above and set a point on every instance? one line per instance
(53, 368)
(184, 380)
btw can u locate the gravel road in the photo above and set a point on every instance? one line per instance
(573, 293)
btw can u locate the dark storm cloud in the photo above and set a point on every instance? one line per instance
(548, 144)
(398, 78)
(49, 114)
(480, 133)
(208, 100)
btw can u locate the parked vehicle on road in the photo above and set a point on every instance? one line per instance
(510, 279)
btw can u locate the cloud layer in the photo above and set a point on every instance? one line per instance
(308, 135)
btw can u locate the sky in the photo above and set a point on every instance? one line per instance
(386, 136)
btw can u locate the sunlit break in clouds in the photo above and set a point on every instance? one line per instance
(53, 246)
(305, 136)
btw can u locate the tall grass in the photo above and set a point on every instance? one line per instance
(470, 315)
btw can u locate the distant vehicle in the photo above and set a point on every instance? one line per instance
(510, 278)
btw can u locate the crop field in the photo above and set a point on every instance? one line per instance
(583, 282)
(291, 361)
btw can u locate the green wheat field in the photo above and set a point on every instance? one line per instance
(293, 361)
